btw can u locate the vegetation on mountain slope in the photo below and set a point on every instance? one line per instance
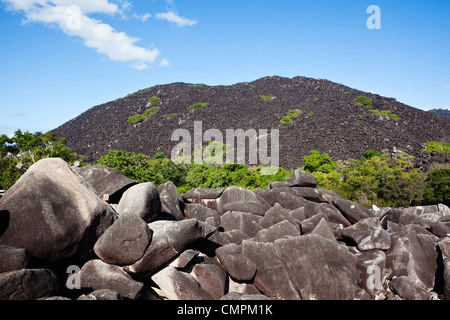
(436, 146)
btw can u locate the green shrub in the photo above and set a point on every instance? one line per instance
(170, 116)
(154, 100)
(9, 173)
(159, 169)
(364, 101)
(135, 118)
(150, 112)
(267, 97)
(295, 113)
(141, 168)
(286, 120)
(32, 148)
(383, 180)
(384, 113)
(393, 116)
(310, 114)
(198, 105)
(291, 115)
(252, 86)
(5, 145)
(439, 191)
(144, 91)
(318, 162)
(436, 146)
(159, 156)
(371, 153)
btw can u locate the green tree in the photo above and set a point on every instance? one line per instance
(6, 145)
(135, 166)
(436, 146)
(27, 148)
(25, 141)
(159, 156)
(206, 176)
(376, 178)
(9, 172)
(371, 153)
(439, 191)
(141, 168)
(364, 101)
(316, 162)
(154, 100)
(385, 180)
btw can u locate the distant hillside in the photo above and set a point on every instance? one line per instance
(441, 112)
(327, 119)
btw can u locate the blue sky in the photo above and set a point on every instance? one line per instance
(58, 58)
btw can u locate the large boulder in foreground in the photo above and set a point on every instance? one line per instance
(306, 267)
(178, 285)
(27, 284)
(143, 200)
(169, 239)
(108, 182)
(407, 288)
(168, 195)
(97, 275)
(238, 194)
(238, 266)
(303, 179)
(53, 213)
(212, 278)
(352, 211)
(444, 246)
(125, 241)
(12, 258)
(368, 234)
(319, 268)
(414, 256)
(271, 278)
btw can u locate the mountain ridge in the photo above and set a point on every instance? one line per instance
(329, 122)
(441, 112)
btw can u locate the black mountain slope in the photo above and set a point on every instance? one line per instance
(330, 121)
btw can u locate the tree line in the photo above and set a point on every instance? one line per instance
(375, 179)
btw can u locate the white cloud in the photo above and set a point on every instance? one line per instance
(86, 6)
(143, 17)
(173, 17)
(165, 63)
(146, 16)
(447, 86)
(71, 17)
(89, 6)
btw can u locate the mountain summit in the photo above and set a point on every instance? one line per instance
(309, 113)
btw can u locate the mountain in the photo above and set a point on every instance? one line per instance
(327, 120)
(441, 112)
